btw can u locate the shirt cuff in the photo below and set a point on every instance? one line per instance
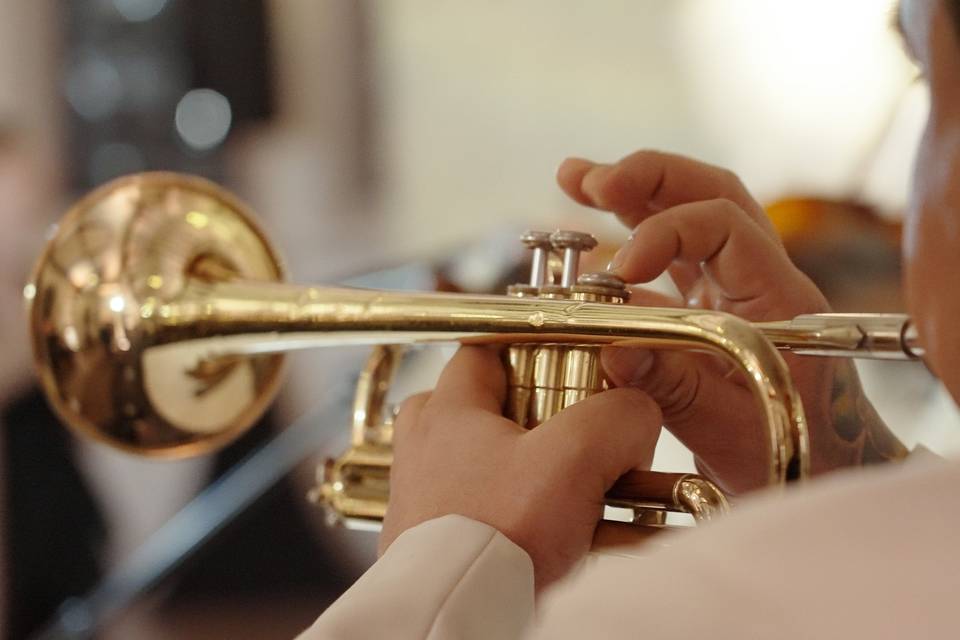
(447, 577)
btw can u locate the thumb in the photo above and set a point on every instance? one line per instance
(708, 411)
(474, 378)
(611, 432)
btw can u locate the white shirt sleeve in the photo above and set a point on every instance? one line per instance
(868, 554)
(451, 577)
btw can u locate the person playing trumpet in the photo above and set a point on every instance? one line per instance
(484, 517)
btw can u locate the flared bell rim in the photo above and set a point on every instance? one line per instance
(269, 368)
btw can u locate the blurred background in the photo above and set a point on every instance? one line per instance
(412, 137)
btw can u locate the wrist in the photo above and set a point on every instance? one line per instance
(855, 423)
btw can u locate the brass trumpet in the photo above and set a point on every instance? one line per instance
(159, 317)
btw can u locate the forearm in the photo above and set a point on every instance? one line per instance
(448, 577)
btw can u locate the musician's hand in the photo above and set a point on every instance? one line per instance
(700, 224)
(454, 452)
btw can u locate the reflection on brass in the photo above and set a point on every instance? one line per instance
(648, 492)
(354, 489)
(99, 308)
(542, 379)
(159, 316)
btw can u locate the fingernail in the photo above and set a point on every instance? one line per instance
(627, 367)
(618, 258)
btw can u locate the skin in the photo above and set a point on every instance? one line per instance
(701, 225)
(932, 230)
(544, 488)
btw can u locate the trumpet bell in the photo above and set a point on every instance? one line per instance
(111, 264)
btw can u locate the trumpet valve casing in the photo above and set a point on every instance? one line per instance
(543, 379)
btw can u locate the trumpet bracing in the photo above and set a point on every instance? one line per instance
(159, 316)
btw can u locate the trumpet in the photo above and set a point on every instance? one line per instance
(159, 317)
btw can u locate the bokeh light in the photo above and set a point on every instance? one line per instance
(203, 118)
(139, 10)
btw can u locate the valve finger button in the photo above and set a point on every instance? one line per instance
(539, 242)
(571, 244)
(601, 286)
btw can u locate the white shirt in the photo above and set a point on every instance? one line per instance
(866, 554)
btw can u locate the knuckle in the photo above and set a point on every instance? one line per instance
(577, 461)
(681, 397)
(636, 420)
(609, 184)
(731, 178)
(413, 404)
(642, 157)
(563, 453)
(639, 404)
(430, 415)
(729, 209)
(675, 392)
(405, 411)
(409, 413)
(619, 174)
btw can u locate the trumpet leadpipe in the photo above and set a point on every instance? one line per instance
(250, 318)
(882, 336)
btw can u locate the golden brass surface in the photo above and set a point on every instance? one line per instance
(354, 489)
(658, 492)
(96, 295)
(158, 319)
